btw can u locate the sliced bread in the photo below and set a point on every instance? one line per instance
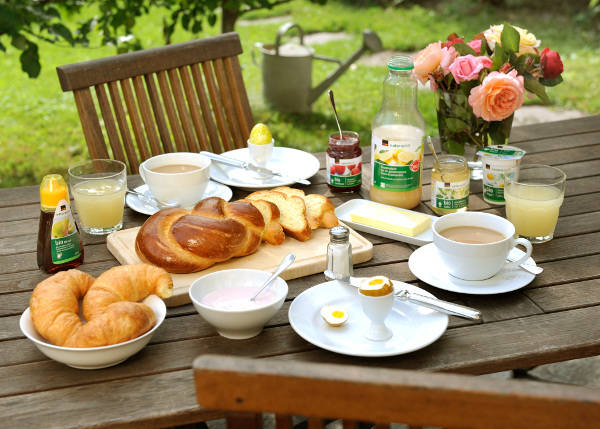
(273, 231)
(292, 211)
(319, 209)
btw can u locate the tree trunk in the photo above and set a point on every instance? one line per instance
(230, 14)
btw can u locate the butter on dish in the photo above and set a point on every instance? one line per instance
(392, 219)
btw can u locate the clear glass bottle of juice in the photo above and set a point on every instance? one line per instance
(397, 140)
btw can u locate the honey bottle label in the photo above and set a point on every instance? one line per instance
(64, 238)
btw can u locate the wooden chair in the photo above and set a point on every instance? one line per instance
(184, 97)
(249, 386)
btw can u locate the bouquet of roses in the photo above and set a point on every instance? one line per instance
(482, 82)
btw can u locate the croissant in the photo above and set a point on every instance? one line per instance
(112, 316)
(185, 241)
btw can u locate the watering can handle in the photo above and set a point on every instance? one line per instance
(256, 47)
(284, 29)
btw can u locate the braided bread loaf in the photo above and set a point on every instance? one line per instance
(185, 241)
(110, 305)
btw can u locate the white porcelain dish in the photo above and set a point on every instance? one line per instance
(213, 189)
(237, 324)
(426, 265)
(413, 327)
(284, 160)
(344, 211)
(94, 357)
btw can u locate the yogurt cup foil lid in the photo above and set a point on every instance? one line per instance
(502, 152)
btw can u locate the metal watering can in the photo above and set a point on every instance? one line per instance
(287, 70)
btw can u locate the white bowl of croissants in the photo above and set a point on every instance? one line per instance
(121, 310)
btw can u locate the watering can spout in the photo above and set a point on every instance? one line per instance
(371, 42)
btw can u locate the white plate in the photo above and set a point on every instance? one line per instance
(285, 160)
(94, 357)
(213, 189)
(343, 213)
(414, 327)
(426, 264)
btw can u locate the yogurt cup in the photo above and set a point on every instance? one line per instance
(500, 163)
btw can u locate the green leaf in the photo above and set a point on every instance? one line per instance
(510, 38)
(551, 82)
(456, 125)
(463, 49)
(2, 47)
(197, 27)
(484, 47)
(500, 57)
(455, 147)
(532, 85)
(19, 41)
(61, 31)
(30, 60)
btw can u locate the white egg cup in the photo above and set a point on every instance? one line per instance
(260, 154)
(377, 309)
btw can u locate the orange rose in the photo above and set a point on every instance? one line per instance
(498, 96)
(427, 60)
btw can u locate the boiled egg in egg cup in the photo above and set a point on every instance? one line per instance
(260, 145)
(334, 315)
(377, 299)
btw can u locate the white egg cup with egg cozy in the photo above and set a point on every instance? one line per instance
(237, 324)
(184, 189)
(94, 357)
(469, 261)
(377, 309)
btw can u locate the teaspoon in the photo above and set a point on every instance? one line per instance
(286, 262)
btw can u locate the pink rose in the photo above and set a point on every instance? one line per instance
(498, 96)
(448, 57)
(475, 45)
(427, 60)
(468, 67)
(551, 63)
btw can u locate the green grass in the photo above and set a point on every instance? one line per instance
(39, 126)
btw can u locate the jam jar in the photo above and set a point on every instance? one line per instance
(344, 162)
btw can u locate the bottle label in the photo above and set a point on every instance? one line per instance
(396, 164)
(450, 196)
(64, 239)
(344, 173)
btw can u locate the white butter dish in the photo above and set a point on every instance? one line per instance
(344, 212)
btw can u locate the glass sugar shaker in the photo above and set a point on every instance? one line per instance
(339, 254)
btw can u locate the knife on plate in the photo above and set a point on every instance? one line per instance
(402, 292)
(251, 167)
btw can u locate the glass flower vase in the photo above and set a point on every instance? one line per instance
(462, 133)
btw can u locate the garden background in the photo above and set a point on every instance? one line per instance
(40, 131)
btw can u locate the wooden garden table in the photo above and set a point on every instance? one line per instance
(555, 318)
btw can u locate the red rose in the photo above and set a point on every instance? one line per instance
(551, 63)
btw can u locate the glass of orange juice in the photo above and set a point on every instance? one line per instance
(533, 200)
(98, 187)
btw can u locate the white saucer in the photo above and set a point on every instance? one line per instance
(213, 189)
(284, 160)
(426, 264)
(414, 327)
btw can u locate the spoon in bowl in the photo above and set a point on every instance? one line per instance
(286, 262)
(147, 199)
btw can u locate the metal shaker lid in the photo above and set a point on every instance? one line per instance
(339, 233)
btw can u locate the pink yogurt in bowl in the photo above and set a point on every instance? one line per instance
(222, 298)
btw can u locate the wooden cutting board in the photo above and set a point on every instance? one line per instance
(311, 258)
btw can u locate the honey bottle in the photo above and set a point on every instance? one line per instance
(59, 245)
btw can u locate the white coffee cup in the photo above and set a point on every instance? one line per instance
(186, 188)
(477, 261)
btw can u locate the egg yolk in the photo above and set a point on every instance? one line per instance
(378, 286)
(338, 314)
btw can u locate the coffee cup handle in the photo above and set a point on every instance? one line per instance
(141, 171)
(528, 249)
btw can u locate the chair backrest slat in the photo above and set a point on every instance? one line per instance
(159, 114)
(144, 107)
(199, 102)
(115, 98)
(217, 105)
(90, 123)
(207, 113)
(109, 123)
(371, 394)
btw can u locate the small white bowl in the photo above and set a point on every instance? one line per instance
(237, 324)
(94, 357)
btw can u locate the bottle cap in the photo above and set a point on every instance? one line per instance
(52, 190)
(339, 233)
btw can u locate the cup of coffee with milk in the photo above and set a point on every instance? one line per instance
(177, 178)
(474, 245)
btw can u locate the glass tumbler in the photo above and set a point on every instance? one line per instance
(98, 187)
(533, 200)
